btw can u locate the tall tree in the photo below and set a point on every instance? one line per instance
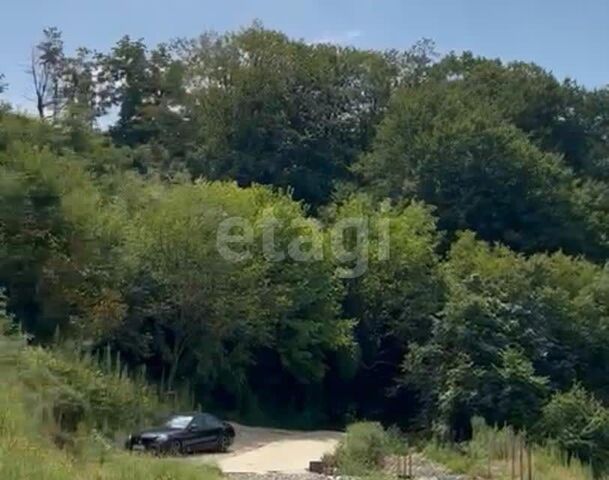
(393, 301)
(146, 86)
(275, 111)
(563, 118)
(86, 88)
(46, 69)
(196, 295)
(440, 144)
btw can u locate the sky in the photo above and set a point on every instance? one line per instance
(568, 37)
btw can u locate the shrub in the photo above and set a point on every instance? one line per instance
(364, 448)
(579, 424)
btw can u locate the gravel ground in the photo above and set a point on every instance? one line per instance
(264, 450)
(273, 454)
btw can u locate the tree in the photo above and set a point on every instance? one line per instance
(275, 111)
(46, 69)
(444, 146)
(197, 295)
(511, 327)
(146, 86)
(4, 106)
(521, 392)
(86, 88)
(255, 106)
(471, 195)
(78, 84)
(394, 299)
(57, 239)
(555, 115)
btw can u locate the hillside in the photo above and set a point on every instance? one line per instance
(304, 235)
(42, 397)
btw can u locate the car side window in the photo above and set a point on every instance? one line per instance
(198, 422)
(205, 421)
(210, 421)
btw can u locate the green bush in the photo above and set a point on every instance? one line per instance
(579, 424)
(364, 448)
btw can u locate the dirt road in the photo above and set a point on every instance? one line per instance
(264, 450)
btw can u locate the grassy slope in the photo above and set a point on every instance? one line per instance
(366, 447)
(32, 383)
(473, 459)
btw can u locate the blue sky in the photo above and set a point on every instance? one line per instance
(569, 37)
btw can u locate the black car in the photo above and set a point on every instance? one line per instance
(184, 433)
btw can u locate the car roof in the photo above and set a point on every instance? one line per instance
(190, 414)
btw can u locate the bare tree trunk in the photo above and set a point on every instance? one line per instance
(40, 81)
(178, 351)
(40, 107)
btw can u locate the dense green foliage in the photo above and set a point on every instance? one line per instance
(512, 329)
(444, 145)
(473, 197)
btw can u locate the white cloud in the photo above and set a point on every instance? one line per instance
(345, 37)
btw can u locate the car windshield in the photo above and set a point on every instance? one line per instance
(179, 421)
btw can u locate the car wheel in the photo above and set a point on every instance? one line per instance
(175, 448)
(223, 443)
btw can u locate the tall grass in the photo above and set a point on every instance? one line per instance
(40, 389)
(502, 454)
(95, 392)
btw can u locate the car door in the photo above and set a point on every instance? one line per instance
(211, 430)
(202, 433)
(190, 435)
